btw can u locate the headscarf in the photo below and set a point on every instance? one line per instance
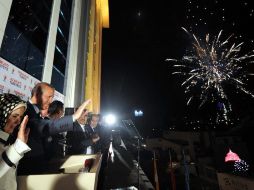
(9, 103)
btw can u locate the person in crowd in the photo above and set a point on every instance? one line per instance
(77, 139)
(93, 133)
(35, 162)
(56, 110)
(84, 139)
(12, 109)
(51, 143)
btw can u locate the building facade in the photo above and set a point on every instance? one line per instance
(57, 41)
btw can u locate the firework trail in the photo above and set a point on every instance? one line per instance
(211, 65)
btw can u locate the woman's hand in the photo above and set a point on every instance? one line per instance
(23, 131)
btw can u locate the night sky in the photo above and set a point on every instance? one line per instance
(143, 34)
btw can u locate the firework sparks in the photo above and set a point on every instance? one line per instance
(241, 166)
(211, 65)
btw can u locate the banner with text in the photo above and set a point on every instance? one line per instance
(15, 81)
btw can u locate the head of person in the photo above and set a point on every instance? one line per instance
(94, 120)
(83, 118)
(12, 109)
(56, 110)
(42, 95)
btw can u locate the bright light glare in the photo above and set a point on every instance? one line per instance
(138, 113)
(110, 119)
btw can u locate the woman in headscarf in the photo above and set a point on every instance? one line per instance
(12, 109)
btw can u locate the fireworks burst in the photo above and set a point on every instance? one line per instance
(211, 65)
(241, 166)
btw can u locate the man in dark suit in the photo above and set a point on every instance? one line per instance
(81, 139)
(93, 130)
(53, 144)
(42, 95)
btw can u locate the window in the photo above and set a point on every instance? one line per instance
(25, 37)
(62, 38)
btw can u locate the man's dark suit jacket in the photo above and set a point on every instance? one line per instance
(78, 140)
(35, 161)
(96, 147)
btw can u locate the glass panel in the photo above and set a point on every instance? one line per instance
(62, 38)
(58, 78)
(25, 38)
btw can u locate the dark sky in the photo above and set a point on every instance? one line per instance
(142, 34)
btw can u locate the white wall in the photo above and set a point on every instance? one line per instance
(5, 7)
(72, 56)
(76, 56)
(51, 42)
